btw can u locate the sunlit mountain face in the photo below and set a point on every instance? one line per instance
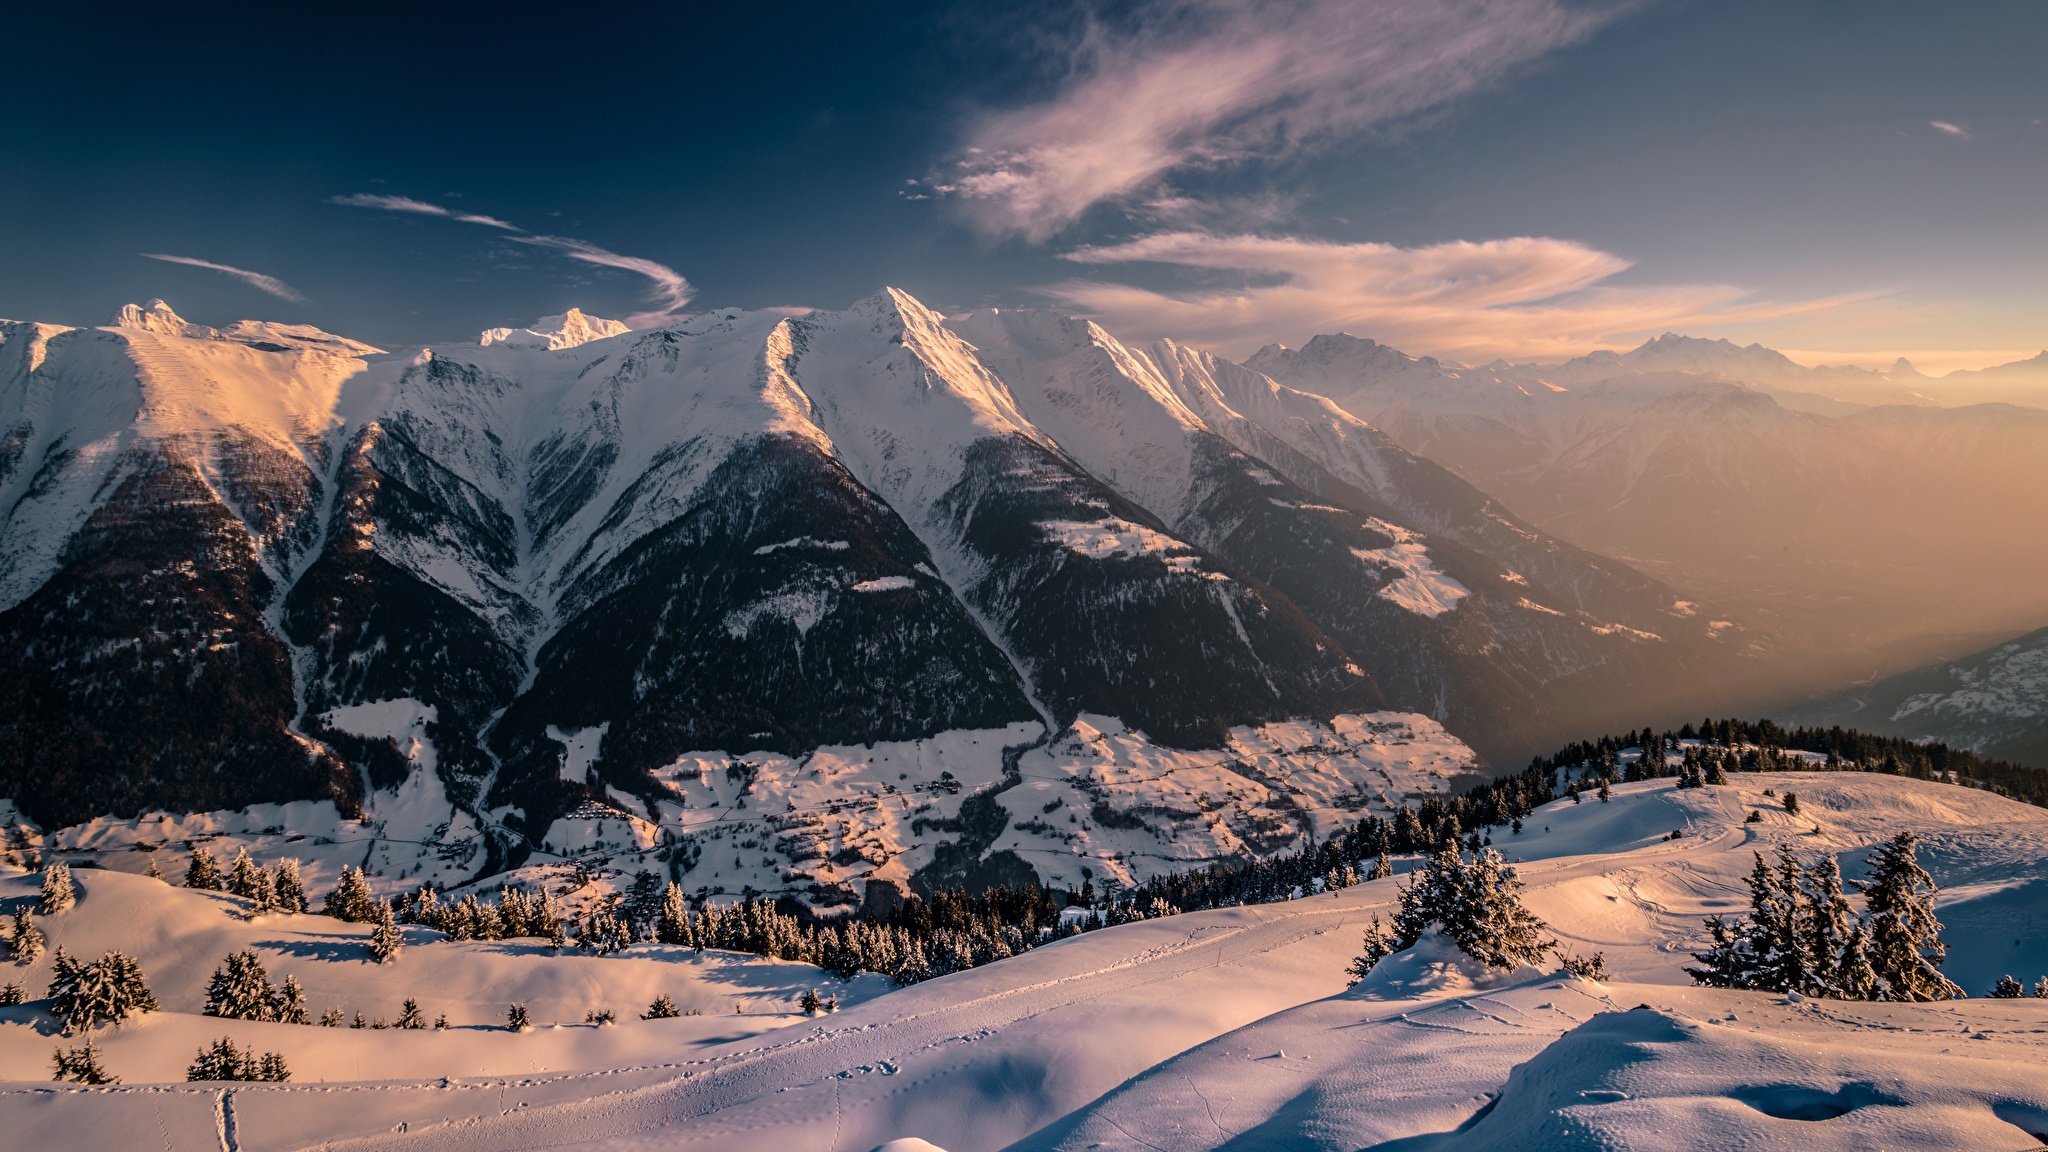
(1322, 574)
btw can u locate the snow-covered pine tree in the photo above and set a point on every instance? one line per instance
(2040, 991)
(287, 887)
(1726, 963)
(385, 940)
(12, 994)
(1829, 925)
(26, 941)
(1496, 929)
(58, 895)
(351, 899)
(241, 989)
(1377, 946)
(2008, 988)
(202, 871)
(516, 1019)
(663, 1008)
(643, 903)
(82, 1066)
(1778, 933)
(1854, 977)
(242, 873)
(672, 920)
(106, 991)
(222, 1060)
(604, 933)
(1906, 948)
(331, 1018)
(1381, 869)
(410, 1016)
(810, 1004)
(289, 1005)
(153, 872)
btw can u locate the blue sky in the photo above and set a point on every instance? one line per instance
(1528, 177)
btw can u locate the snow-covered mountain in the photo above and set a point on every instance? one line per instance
(1994, 702)
(473, 587)
(1728, 472)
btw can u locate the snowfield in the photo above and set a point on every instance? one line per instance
(1231, 1028)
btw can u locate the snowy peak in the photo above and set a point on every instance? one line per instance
(157, 316)
(568, 330)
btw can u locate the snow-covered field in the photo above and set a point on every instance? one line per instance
(1232, 1028)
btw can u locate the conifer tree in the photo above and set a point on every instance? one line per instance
(604, 933)
(386, 940)
(516, 1019)
(242, 875)
(1377, 946)
(1906, 948)
(222, 1060)
(331, 1018)
(1381, 869)
(202, 872)
(1830, 922)
(351, 900)
(1606, 792)
(82, 1066)
(153, 872)
(2008, 988)
(58, 895)
(289, 1005)
(672, 921)
(2040, 991)
(12, 994)
(410, 1016)
(106, 991)
(288, 889)
(26, 941)
(810, 1003)
(241, 989)
(663, 1008)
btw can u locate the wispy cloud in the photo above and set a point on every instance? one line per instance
(1525, 296)
(668, 289)
(1200, 84)
(256, 280)
(420, 208)
(1949, 128)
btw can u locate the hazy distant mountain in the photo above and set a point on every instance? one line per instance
(1854, 527)
(482, 584)
(1994, 701)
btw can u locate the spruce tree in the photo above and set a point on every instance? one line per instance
(106, 991)
(516, 1019)
(289, 1005)
(58, 895)
(12, 994)
(810, 1003)
(202, 872)
(224, 1061)
(386, 940)
(1830, 921)
(27, 940)
(410, 1016)
(351, 899)
(672, 921)
(82, 1066)
(153, 872)
(663, 1008)
(2008, 988)
(604, 933)
(1377, 946)
(1906, 949)
(331, 1018)
(242, 875)
(287, 887)
(1726, 963)
(241, 989)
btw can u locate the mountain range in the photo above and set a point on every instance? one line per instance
(569, 563)
(1860, 535)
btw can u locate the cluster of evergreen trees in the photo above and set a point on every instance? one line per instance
(1476, 904)
(1802, 935)
(223, 1060)
(275, 890)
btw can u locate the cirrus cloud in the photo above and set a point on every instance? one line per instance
(1200, 84)
(256, 280)
(667, 288)
(1527, 296)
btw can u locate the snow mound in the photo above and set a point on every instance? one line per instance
(1421, 587)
